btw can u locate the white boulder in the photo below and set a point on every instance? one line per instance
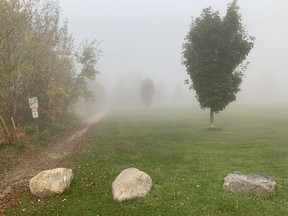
(131, 183)
(50, 182)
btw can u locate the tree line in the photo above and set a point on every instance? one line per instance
(38, 58)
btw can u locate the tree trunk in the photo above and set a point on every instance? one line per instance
(211, 118)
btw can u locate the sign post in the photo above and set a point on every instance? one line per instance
(33, 103)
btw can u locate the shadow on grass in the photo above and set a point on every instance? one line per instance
(214, 129)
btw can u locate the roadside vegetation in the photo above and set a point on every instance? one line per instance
(38, 59)
(31, 139)
(186, 162)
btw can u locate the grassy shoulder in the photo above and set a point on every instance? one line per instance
(32, 140)
(186, 162)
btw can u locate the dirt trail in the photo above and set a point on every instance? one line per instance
(15, 177)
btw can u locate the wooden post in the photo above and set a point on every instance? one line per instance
(4, 125)
(37, 127)
(14, 127)
(8, 137)
(13, 123)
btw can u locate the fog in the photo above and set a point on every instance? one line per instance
(143, 39)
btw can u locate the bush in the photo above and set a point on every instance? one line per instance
(31, 139)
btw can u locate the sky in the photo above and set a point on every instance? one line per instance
(145, 37)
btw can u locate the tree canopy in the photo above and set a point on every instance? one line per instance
(214, 54)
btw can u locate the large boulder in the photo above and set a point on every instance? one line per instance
(131, 183)
(51, 182)
(253, 183)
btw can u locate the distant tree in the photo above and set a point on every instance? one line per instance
(147, 91)
(213, 53)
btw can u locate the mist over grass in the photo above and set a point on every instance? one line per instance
(123, 93)
(186, 161)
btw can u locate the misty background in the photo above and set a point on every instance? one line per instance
(143, 39)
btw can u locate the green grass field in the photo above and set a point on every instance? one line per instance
(186, 162)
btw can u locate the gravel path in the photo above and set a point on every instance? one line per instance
(14, 178)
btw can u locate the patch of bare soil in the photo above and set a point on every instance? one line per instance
(15, 177)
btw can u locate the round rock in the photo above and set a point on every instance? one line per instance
(50, 182)
(131, 183)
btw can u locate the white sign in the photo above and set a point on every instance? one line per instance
(33, 102)
(35, 112)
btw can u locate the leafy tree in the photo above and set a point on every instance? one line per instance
(214, 53)
(87, 57)
(38, 59)
(147, 91)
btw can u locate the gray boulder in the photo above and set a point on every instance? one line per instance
(50, 182)
(131, 183)
(253, 183)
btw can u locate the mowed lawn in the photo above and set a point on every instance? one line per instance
(187, 164)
